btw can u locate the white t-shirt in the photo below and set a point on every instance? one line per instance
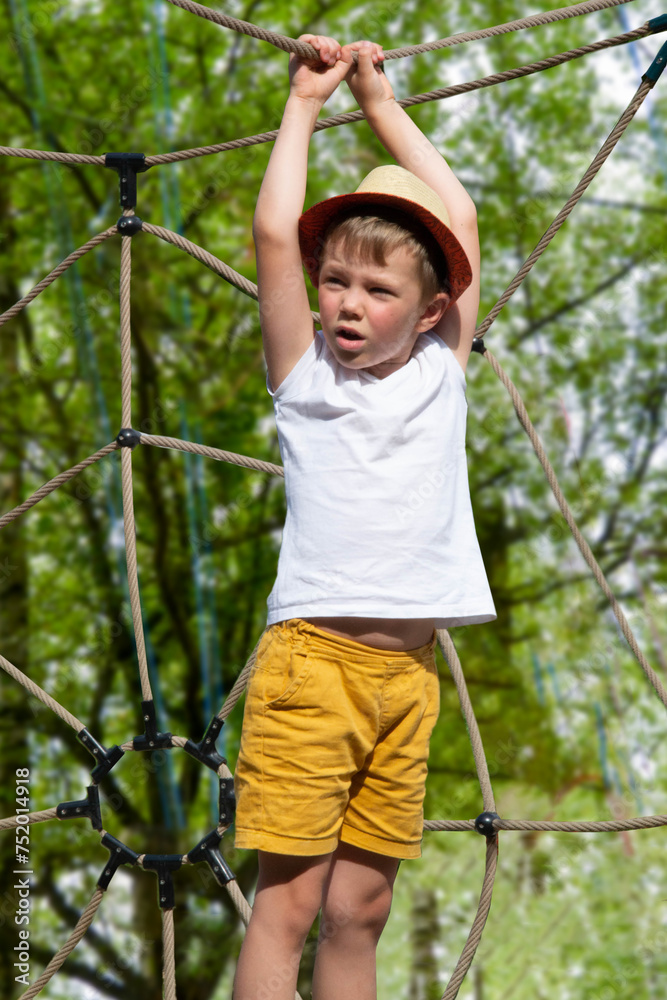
(379, 521)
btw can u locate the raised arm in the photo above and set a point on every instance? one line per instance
(410, 148)
(287, 326)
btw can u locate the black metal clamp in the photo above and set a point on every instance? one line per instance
(164, 865)
(119, 855)
(205, 751)
(106, 758)
(88, 808)
(151, 739)
(208, 850)
(128, 165)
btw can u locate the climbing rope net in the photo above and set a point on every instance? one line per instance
(207, 851)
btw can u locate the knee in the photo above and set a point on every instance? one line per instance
(289, 913)
(364, 914)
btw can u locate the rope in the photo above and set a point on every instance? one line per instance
(57, 271)
(475, 936)
(575, 826)
(38, 692)
(243, 907)
(204, 257)
(439, 94)
(342, 119)
(53, 484)
(220, 456)
(449, 651)
(36, 817)
(85, 920)
(249, 288)
(592, 172)
(168, 955)
(126, 466)
(566, 511)
(239, 685)
(307, 51)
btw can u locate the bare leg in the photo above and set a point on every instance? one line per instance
(355, 907)
(288, 896)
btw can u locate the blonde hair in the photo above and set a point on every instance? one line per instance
(372, 237)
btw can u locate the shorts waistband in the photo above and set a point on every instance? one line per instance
(298, 626)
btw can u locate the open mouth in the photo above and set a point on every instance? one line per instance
(348, 338)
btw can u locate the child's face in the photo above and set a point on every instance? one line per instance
(372, 314)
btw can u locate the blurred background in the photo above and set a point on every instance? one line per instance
(571, 727)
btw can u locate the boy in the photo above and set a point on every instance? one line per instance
(379, 545)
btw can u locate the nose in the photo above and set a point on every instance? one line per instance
(350, 302)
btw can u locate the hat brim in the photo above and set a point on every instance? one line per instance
(314, 223)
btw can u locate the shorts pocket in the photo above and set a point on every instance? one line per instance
(294, 675)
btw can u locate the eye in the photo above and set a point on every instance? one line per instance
(379, 290)
(332, 279)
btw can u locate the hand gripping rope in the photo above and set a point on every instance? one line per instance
(207, 851)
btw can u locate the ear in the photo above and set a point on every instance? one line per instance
(433, 311)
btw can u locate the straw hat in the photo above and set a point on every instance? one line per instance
(392, 187)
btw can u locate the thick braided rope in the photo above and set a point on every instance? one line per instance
(307, 51)
(168, 955)
(51, 154)
(557, 826)
(36, 817)
(441, 93)
(37, 692)
(204, 257)
(56, 272)
(449, 652)
(566, 511)
(220, 456)
(243, 907)
(126, 466)
(351, 116)
(605, 151)
(209, 260)
(475, 936)
(84, 922)
(53, 484)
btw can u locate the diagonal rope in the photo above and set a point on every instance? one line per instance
(57, 271)
(126, 466)
(37, 692)
(239, 685)
(441, 93)
(204, 257)
(566, 511)
(243, 907)
(307, 51)
(475, 936)
(53, 484)
(220, 456)
(605, 151)
(449, 651)
(85, 920)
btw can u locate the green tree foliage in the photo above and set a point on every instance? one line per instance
(570, 727)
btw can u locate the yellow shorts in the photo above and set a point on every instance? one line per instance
(334, 744)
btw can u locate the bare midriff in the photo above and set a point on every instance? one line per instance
(383, 633)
